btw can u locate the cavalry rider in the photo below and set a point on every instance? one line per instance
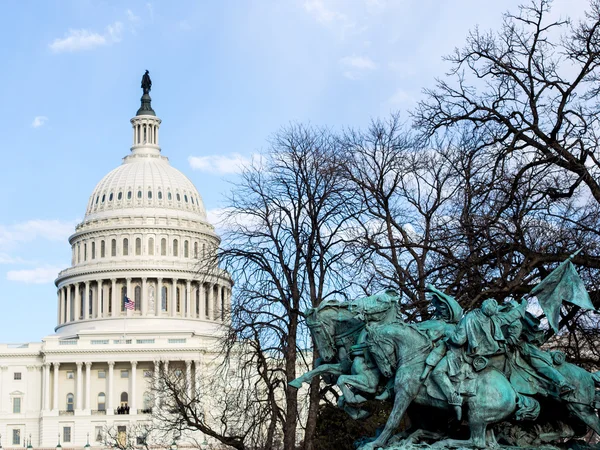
(526, 339)
(442, 363)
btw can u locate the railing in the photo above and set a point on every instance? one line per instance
(98, 412)
(66, 412)
(120, 411)
(145, 411)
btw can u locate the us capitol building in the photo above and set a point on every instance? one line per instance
(145, 236)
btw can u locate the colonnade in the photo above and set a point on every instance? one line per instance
(83, 402)
(153, 297)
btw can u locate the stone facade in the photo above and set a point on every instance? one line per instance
(145, 236)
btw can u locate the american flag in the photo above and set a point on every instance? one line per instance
(129, 304)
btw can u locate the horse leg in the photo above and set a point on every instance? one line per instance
(407, 385)
(334, 369)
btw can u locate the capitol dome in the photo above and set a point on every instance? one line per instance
(147, 184)
(145, 250)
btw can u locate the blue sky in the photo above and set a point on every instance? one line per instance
(225, 76)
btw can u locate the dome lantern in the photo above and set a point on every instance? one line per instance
(145, 124)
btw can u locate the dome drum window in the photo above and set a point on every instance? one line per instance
(185, 198)
(169, 196)
(110, 197)
(119, 196)
(149, 195)
(178, 197)
(103, 197)
(160, 195)
(139, 194)
(128, 195)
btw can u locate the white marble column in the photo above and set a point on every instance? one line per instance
(77, 301)
(86, 301)
(97, 308)
(188, 299)
(46, 386)
(156, 378)
(211, 302)
(55, 403)
(198, 369)
(59, 306)
(174, 298)
(188, 378)
(110, 408)
(133, 402)
(144, 305)
(69, 316)
(88, 385)
(202, 288)
(158, 301)
(114, 306)
(79, 393)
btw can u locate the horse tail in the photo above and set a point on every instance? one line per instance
(528, 408)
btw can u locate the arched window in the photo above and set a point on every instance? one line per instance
(139, 194)
(124, 398)
(123, 295)
(178, 197)
(195, 249)
(178, 300)
(163, 247)
(175, 247)
(192, 199)
(113, 247)
(151, 246)
(110, 197)
(149, 195)
(169, 197)
(125, 247)
(103, 197)
(102, 249)
(186, 249)
(138, 297)
(93, 250)
(160, 195)
(163, 299)
(85, 252)
(101, 401)
(203, 249)
(78, 253)
(119, 195)
(110, 294)
(81, 298)
(198, 302)
(138, 246)
(185, 198)
(70, 402)
(97, 198)
(128, 195)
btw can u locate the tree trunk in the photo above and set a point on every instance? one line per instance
(313, 411)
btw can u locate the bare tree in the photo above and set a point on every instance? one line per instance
(287, 222)
(529, 88)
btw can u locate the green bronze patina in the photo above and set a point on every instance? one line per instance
(485, 367)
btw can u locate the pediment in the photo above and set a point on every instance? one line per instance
(16, 393)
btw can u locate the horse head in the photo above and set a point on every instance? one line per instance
(332, 324)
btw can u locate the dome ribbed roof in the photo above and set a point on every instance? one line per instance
(148, 185)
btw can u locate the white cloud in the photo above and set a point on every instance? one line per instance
(52, 230)
(39, 121)
(356, 66)
(322, 13)
(401, 98)
(219, 164)
(132, 17)
(79, 40)
(38, 275)
(7, 259)
(359, 62)
(150, 11)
